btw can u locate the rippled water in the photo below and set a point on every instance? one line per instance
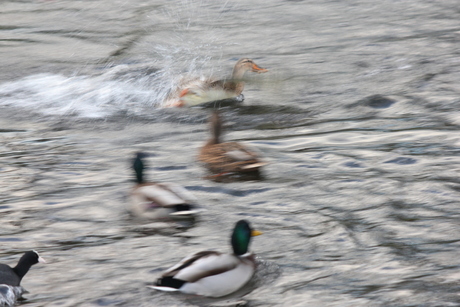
(358, 117)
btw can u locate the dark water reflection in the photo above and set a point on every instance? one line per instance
(358, 119)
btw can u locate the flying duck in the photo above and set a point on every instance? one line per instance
(201, 91)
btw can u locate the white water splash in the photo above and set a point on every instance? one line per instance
(82, 96)
(131, 89)
(10, 294)
(122, 89)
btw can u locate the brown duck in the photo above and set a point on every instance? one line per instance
(200, 91)
(228, 159)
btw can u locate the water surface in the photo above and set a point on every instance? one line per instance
(358, 119)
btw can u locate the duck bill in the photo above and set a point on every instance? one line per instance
(255, 233)
(41, 260)
(258, 69)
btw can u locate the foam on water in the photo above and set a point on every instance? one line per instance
(123, 89)
(114, 92)
(130, 89)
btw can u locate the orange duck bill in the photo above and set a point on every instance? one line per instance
(258, 69)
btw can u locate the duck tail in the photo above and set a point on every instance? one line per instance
(169, 282)
(183, 207)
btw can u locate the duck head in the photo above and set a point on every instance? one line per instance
(244, 65)
(139, 166)
(27, 260)
(215, 123)
(241, 237)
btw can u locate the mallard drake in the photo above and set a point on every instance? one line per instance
(211, 273)
(200, 91)
(227, 159)
(10, 278)
(150, 200)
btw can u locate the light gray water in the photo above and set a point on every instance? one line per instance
(360, 202)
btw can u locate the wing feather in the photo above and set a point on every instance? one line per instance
(159, 195)
(201, 265)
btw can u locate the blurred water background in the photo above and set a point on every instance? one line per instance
(358, 118)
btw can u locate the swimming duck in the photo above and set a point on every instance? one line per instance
(200, 91)
(10, 278)
(211, 273)
(226, 159)
(150, 200)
